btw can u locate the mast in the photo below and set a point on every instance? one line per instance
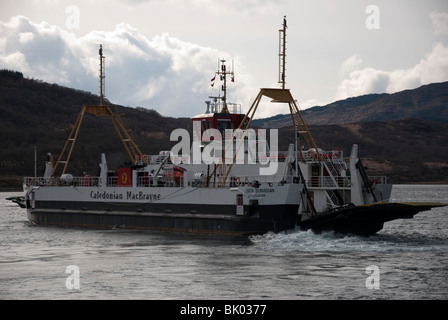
(100, 110)
(282, 55)
(223, 73)
(102, 74)
(280, 95)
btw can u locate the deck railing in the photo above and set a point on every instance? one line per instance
(341, 182)
(168, 181)
(89, 181)
(308, 156)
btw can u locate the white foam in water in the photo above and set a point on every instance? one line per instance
(426, 231)
(307, 241)
(304, 241)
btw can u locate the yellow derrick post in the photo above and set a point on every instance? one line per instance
(278, 95)
(99, 111)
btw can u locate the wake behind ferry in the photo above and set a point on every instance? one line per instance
(229, 181)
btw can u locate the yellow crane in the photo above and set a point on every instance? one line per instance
(100, 110)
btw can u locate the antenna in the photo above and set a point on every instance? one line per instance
(102, 74)
(222, 73)
(282, 55)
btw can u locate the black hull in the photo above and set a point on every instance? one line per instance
(364, 220)
(257, 220)
(212, 219)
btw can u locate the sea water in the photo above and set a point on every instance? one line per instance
(408, 259)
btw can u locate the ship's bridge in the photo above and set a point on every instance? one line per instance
(220, 116)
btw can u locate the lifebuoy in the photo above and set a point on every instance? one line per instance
(124, 178)
(237, 181)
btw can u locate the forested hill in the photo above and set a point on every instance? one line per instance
(35, 113)
(428, 102)
(38, 114)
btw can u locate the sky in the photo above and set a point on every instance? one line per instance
(162, 54)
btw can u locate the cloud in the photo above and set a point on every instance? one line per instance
(432, 68)
(34, 49)
(311, 103)
(163, 73)
(439, 22)
(246, 6)
(350, 65)
(218, 6)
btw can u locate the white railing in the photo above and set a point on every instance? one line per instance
(340, 182)
(162, 181)
(309, 156)
(329, 182)
(86, 181)
(332, 155)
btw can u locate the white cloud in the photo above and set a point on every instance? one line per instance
(258, 7)
(14, 61)
(219, 7)
(350, 65)
(38, 50)
(311, 103)
(439, 22)
(432, 68)
(26, 37)
(163, 73)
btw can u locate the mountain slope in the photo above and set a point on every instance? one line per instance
(429, 102)
(34, 113)
(409, 150)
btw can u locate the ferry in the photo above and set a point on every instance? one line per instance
(230, 180)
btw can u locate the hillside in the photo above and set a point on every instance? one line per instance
(429, 102)
(407, 151)
(35, 113)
